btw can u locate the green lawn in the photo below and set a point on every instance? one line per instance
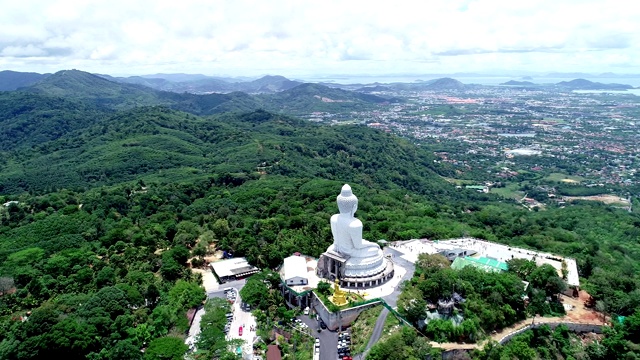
(362, 328)
(560, 177)
(391, 326)
(510, 191)
(460, 181)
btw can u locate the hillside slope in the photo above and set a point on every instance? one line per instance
(309, 97)
(28, 119)
(161, 143)
(75, 84)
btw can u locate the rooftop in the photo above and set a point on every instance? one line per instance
(488, 250)
(309, 272)
(294, 266)
(233, 267)
(483, 263)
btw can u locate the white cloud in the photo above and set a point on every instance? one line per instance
(242, 37)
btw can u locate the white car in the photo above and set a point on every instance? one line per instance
(306, 310)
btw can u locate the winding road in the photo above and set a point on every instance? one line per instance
(375, 335)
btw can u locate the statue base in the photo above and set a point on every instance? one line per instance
(338, 301)
(333, 265)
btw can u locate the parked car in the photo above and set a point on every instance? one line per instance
(323, 325)
(240, 331)
(306, 310)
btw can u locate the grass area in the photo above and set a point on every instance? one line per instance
(391, 326)
(459, 182)
(299, 346)
(560, 177)
(304, 350)
(510, 191)
(362, 328)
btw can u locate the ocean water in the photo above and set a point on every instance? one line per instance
(630, 91)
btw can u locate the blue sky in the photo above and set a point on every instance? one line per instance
(297, 38)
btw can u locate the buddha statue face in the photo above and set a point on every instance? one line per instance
(347, 202)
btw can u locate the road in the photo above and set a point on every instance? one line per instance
(194, 330)
(238, 284)
(241, 318)
(328, 339)
(375, 335)
(245, 320)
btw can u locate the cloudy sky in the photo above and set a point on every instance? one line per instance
(237, 37)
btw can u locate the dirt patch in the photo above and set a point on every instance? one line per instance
(216, 256)
(579, 312)
(209, 281)
(588, 338)
(607, 199)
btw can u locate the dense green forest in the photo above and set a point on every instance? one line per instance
(301, 99)
(105, 201)
(619, 342)
(487, 301)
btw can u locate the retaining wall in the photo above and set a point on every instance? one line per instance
(343, 318)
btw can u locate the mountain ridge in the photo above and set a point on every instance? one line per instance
(583, 84)
(13, 80)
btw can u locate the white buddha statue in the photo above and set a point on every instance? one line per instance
(364, 257)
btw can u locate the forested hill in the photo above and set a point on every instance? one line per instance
(12, 80)
(75, 84)
(159, 143)
(33, 119)
(99, 91)
(104, 200)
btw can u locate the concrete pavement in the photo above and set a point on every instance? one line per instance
(219, 291)
(328, 339)
(409, 268)
(194, 330)
(245, 320)
(241, 318)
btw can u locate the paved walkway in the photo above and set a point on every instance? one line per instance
(194, 330)
(404, 272)
(376, 334)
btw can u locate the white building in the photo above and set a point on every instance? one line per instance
(232, 269)
(295, 270)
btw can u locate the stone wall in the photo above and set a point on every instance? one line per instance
(339, 319)
(575, 327)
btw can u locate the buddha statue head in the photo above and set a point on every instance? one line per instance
(347, 202)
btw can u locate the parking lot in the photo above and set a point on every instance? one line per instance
(232, 296)
(329, 340)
